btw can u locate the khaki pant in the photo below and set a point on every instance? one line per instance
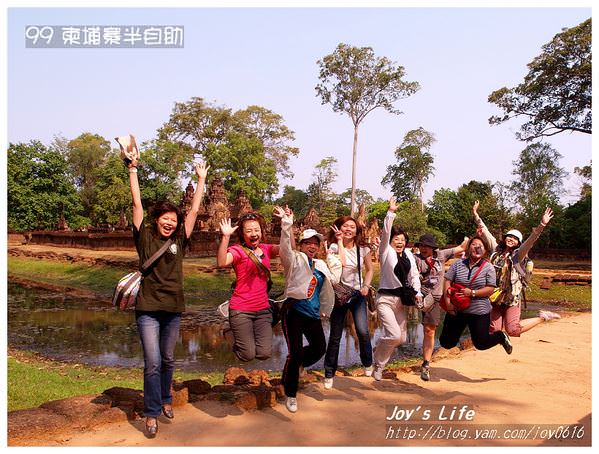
(392, 314)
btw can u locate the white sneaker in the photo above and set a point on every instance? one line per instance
(378, 373)
(291, 404)
(548, 315)
(328, 383)
(368, 370)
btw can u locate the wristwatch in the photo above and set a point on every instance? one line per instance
(473, 293)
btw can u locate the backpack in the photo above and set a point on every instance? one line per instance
(524, 269)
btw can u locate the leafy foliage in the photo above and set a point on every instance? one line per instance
(199, 128)
(39, 188)
(538, 183)
(414, 166)
(242, 165)
(557, 91)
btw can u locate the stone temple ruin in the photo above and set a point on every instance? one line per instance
(206, 236)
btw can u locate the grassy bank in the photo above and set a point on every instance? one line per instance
(210, 289)
(201, 289)
(33, 379)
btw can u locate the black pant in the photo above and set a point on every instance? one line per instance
(295, 325)
(454, 326)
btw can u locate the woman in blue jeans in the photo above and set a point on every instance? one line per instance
(346, 241)
(160, 299)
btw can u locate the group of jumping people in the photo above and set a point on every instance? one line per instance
(485, 270)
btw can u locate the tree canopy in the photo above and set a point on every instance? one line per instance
(354, 81)
(414, 167)
(196, 125)
(557, 91)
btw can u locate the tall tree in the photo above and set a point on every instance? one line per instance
(414, 167)
(85, 154)
(355, 82)
(40, 189)
(196, 125)
(538, 183)
(557, 91)
(320, 191)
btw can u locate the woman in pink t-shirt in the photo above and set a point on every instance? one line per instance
(250, 317)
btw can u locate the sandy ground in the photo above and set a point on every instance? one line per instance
(544, 384)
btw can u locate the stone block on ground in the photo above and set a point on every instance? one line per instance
(27, 425)
(257, 377)
(236, 376)
(197, 386)
(180, 394)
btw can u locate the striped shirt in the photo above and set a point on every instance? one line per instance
(461, 273)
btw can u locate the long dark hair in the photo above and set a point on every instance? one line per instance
(358, 240)
(164, 206)
(251, 216)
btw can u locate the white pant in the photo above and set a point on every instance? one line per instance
(392, 314)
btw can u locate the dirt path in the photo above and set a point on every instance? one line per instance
(546, 381)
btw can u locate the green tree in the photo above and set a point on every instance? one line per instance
(586, 173)
(197, 126)
(161, 165)
(363, 197)
(450, 212)
(538, 183)
(354, 81)
(557, 91)
(320, 191)
(113, 195)
(241, 164)
(296, 199)
(40, 189)
(85, 154)
(414, 167)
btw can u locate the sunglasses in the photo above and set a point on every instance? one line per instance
(248, 216)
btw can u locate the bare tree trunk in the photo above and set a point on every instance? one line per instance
(353, 172)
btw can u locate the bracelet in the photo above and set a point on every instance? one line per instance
(473, 293)
(544, 225)
(132, 169)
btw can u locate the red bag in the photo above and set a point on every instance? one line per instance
(460, 302)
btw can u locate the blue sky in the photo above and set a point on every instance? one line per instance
(267, 56)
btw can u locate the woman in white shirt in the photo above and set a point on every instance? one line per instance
(346, 240)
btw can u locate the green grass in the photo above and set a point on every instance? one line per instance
(571, 296)
(33, 380)
(201, 289)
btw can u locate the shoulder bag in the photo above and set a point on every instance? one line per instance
(125, 292)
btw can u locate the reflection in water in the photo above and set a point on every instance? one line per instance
(65, 328)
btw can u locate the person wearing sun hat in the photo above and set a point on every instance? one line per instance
(430, 262)
(308, 295)
(509, 259)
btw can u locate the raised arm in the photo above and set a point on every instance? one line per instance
(534, 236)
(190, 218)
(485, 233)
(285, 249)
(138, 209)
(340, 247)
(387, 225)
(224, 258)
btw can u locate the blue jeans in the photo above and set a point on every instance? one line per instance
(158, 331)
(357, 306)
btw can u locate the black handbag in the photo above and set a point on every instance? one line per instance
(407, 295)
(343, 293)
